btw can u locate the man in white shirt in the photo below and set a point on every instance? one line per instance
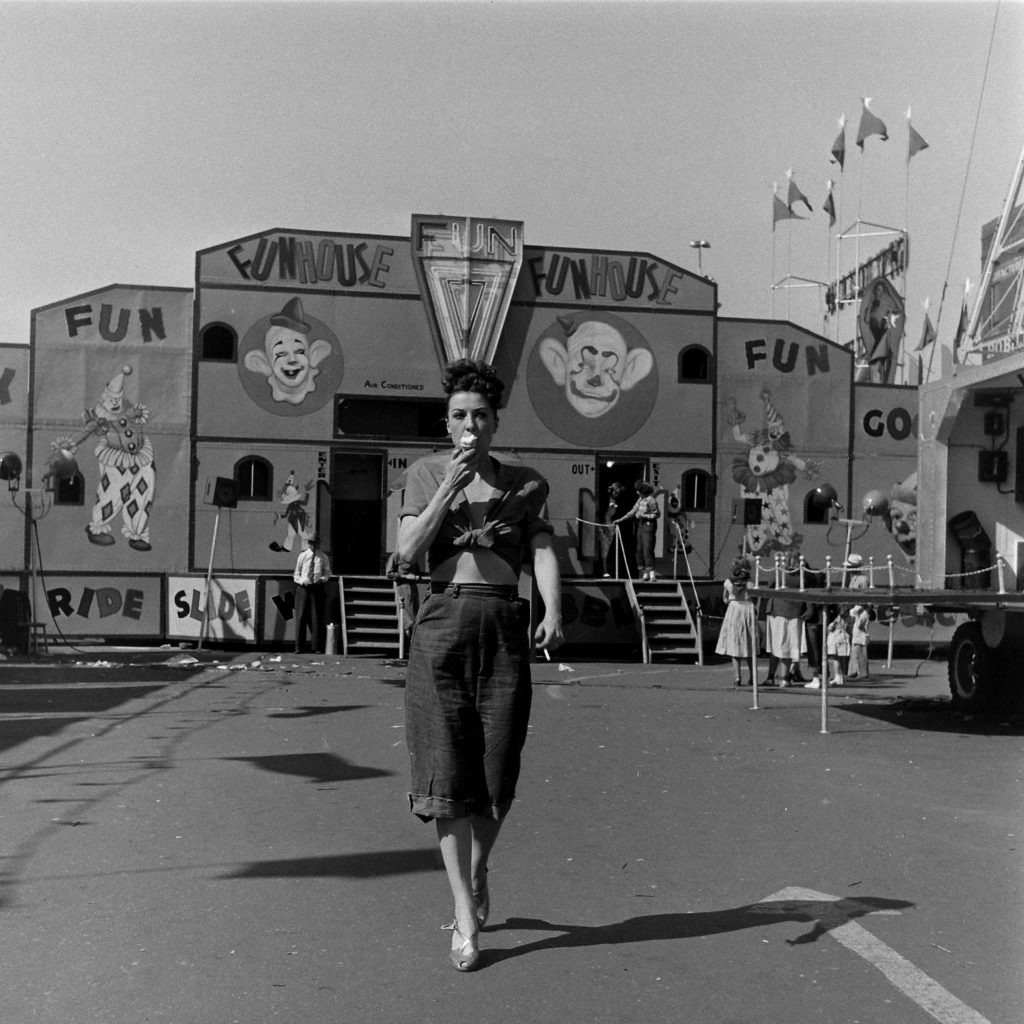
(312, 571)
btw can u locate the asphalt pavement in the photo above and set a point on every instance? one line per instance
(212, 837)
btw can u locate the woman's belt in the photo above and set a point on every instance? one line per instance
(505, 591)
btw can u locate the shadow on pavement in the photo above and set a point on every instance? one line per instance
(823, 914)
(316, 767)
(311, 712)
(345, 865)
(936, 714)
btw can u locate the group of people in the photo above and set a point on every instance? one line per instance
(646, 513)
(793, 628)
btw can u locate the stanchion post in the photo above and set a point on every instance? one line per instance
(1001, 569)
(824, 668)
(892, 582)
(803, 569)
(828, 574)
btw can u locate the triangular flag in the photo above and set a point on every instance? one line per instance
(870, 125)
(795, 195)
(839, 146)
(830, 205)
(915, 142)
(780, 211)
(927, 332)
(961, 327)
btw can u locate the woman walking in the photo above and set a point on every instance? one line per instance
(467, 697)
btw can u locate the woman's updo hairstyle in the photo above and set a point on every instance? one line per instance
(475, 376)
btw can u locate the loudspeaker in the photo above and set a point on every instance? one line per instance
(751, 511)
(223, 493)
(993, 467)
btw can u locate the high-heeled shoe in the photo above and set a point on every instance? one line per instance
(482, 902)
(465, 954)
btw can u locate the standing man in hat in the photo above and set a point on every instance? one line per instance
(312, 571)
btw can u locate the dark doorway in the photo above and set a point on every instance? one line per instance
(357, 514)
(628, 472)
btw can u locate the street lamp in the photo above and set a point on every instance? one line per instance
(698, 244)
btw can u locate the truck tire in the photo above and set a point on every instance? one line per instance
(972, 668)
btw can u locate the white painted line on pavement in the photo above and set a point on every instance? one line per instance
(912, 982)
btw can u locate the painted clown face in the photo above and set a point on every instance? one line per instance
(289, 362)
(762, 458)
(112, 403)
(288, 353)
(594, 366)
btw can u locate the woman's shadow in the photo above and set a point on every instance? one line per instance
(825, 914)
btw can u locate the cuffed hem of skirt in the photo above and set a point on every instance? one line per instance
(427, 808)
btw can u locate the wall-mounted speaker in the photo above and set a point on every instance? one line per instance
(993, 467)
(223, 493)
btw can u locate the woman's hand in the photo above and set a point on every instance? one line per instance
(548, 634)
(460, 470)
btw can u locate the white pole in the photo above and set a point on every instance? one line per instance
(824, 668)
(206, 590)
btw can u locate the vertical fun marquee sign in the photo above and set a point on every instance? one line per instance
(467, 269)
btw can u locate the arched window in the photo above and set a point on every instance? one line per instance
(69, 490)
(696, 491)
(254, 478)
(694, 364)
(813, 512)
(218, 342)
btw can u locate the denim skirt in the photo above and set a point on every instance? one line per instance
(467, 701)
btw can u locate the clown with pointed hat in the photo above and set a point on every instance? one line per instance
(127, 476)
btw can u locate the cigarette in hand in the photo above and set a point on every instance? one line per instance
(546, 655)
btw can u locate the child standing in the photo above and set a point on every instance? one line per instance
(837, 646)
(860, 620)
(738, 637)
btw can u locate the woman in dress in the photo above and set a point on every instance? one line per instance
(737, 638)
(472, 519)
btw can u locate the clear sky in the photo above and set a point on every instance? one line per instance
(135, 134)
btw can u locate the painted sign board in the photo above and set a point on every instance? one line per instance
(100, 605)
(467, 268)
(278, 603)
(232, 604)
(111, 397)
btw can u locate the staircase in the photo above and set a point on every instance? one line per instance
(369, 616)
(667, 628)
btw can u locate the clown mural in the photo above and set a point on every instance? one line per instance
(592, 378)
(127, 476)
(766, 472)
(288, 361)
(294, 513)
(901, 516)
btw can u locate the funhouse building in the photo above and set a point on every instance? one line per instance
(179, 445)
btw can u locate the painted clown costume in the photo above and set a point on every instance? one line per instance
(766, 472)
(127, 476)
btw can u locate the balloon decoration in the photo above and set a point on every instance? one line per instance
(875, 503)
(824, 495)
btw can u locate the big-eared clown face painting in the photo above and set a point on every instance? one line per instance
(592, 377)
(594, 365)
